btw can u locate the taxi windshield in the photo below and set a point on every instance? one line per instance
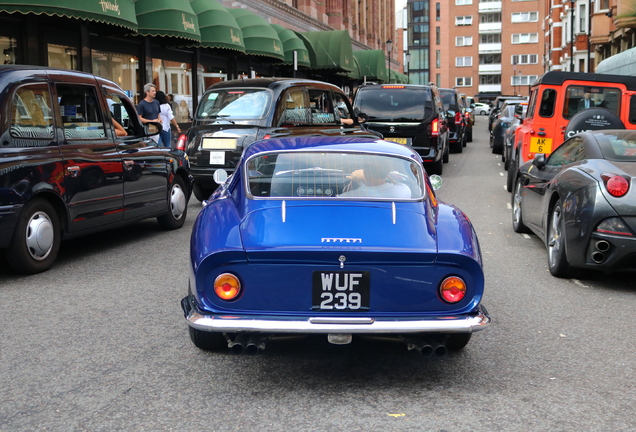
(234, 103)
(337, 175)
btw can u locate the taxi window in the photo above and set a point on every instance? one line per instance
(80, 111)
(546, 103)
(31, 115)
(293, 108)
(580, 97)
(322, 109)
(234, 103)
(337, 175)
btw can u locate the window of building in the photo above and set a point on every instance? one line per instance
(438, 12)
(463, 41)
(490, 38)
(603, 4)
(63, 57)
(517, 80)
(518, 17)
(464, 20)
(522, 59)
(438, 60)
(489, 79)
(463, 61)
(120, 68)
(463, 2)
(419, 35)
(490, 18)
(489, 59)
(8, 46)
(438, 80)
(520, 38)
(438, 37)
(582, 18)
(463, 81)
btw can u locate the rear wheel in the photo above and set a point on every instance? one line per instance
(208, 341)
(557, 259)
(457, 146)
(435, 167)
(177, 206)
(457, 341)
(512, 172)
(470, 135)
(36, 240)
(517, 217)
(445, 157)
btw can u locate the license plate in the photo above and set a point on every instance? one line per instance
(397, 140)
(219, 143)
(217, 158)
(541, 145)
(340, 291)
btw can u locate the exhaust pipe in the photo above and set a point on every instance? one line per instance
(427, 347)
(254, 344)
(602, 245)
(237, 346)
(598, 257)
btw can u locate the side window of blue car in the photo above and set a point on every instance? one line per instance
(31, 114)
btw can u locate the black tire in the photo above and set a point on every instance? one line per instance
(517, 218)
(435, 167)
(457, 147)
(457, 341)
(483, 112)
(470, 135)
(177, 206)
(36, 240)
(505, 156)
(510, 178)
(497, 148)
(201, 192)
(557, 258)
(208, 341)
(446, 156)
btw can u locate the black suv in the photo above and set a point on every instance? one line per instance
(455, 119)
(74, 159)
(411, 115)
(234, 114)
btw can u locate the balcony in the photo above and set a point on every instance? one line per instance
(489, 88)
(489, 7)
(489, 28)
(489, 48)
(489, 69)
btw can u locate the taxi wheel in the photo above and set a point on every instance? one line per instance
(457, 341)
(208, 341)
(36, 240)
(177, 206)
(517, 217)
(557, 259)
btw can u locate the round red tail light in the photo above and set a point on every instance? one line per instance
(227, 286)
(616, 185)
(452, 289)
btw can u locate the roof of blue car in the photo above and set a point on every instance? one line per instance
(330, 143)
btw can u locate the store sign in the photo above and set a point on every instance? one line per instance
(109, 6)
(187, 25)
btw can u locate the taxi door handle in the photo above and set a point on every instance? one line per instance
(73, 171)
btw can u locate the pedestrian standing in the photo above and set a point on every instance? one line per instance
(148, 108)
(167, 118)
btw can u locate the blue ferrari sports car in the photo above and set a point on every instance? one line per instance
(337, 236)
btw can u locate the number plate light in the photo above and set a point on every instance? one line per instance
(452, 289)
(227, 286)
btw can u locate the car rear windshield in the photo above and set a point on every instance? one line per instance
(395, 103)
(236, 103)
(336, 175)
(449, 100)
(619, 148)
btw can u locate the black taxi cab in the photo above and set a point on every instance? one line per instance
(75, 159)
(234, 114)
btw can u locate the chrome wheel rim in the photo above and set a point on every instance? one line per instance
(555, 239)
(516, 204)
(178, 201)
(40, 236)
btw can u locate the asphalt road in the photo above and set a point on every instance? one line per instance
(99, 343)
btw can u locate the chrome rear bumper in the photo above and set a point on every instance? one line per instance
(324, 325)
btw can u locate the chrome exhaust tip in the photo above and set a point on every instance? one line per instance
(602, 245)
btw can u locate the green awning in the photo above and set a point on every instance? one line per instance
(291, 42)
(116, 12)
(174, 18)
(372, 64)
(259, 37)
(398, 78)
(332, 50)
(218, 27)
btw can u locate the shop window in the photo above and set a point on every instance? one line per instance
(119, 68)
(62, 57)
(32, 116)
(8, 45)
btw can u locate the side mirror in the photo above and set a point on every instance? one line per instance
(152, 128)
(539, 160)
(220, 176)
(436, 181)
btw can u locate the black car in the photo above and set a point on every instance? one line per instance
(455, 119)
(497, 104)
(75, 159)
(410, 115)
(580, 201)
(234, 114)
(503, 120)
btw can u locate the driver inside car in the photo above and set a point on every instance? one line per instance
(373, 180)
